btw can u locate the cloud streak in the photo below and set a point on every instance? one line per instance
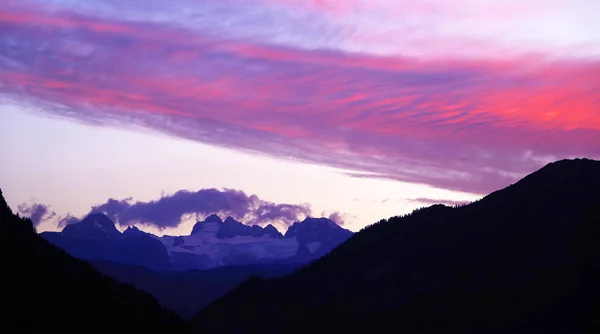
(472, 124)
(432, 201)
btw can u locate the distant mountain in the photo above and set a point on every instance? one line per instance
(96, 237)
(132, 231)
(522, 259)
(94, 226)
(322, 233)
(212, 220)
(232, 228)
(46, 290)
(212, 243)
(187, 292)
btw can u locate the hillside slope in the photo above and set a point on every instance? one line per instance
(187, 292)
(46, 290)
(525, 258)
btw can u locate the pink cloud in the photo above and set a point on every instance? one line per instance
(470, 125)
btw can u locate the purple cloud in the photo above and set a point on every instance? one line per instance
(169, 210)
(337, 218)
(67, 219)
(36, 212)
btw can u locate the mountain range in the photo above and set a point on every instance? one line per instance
(158, 264)
(522, 259)
(212, 243)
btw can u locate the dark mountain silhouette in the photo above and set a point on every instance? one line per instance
(46, 290)
(522, 259)
(187, 292)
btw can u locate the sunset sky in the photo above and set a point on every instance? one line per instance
(161, 112)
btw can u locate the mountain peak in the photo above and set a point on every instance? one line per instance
(312, 223)
(213, 219)
(322, 230)
(272, 231)
(232, 228)
(321, 220)
(561, 181)
(95, 225)
(567, 166)
(133, 231)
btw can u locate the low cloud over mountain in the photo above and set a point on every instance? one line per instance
(170, 210)
(337, 217)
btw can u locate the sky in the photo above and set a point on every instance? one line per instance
(159, 113)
